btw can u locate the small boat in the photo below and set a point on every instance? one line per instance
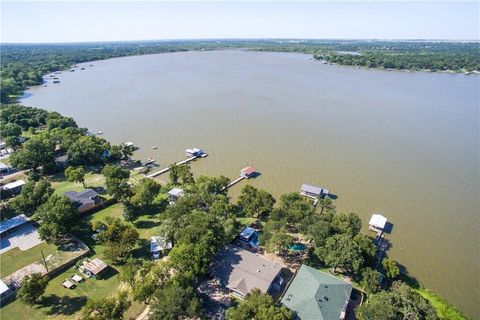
(154, 147)
(72, 70)
(56, 81)
(100, 132)
(91, 65)
(44, 85)
(82, 68)
(55, 78)
(149, 161)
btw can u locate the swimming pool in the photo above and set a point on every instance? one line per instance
(298, 247)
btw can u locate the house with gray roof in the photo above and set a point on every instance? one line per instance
(241, 271)
(313, 294)
(84, 200)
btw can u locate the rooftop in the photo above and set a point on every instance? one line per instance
(248, 170)
(83, 197)
(313, 294)
(378, 221)
(12, 223)
(176, 192)
(314, 190)
(95, 266)
(247, 233)
(241, 271)
(13, 185)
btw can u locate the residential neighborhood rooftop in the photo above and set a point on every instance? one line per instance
(314, 294)
(241, 270)
(95, 266)
(13, 185)
(14, 222)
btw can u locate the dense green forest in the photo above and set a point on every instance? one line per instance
(23, 65)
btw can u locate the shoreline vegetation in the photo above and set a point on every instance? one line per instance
(335, 241)
(24, 65)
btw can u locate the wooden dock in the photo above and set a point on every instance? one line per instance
(234, 182)
(164, 170)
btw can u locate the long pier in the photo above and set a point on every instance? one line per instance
(164, 170)
(234, 182)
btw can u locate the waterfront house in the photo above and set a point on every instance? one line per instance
(241, 271)
(85, 200)
(159, 245)
(248, 172)
(94, 268)
(13, 223)
(313, 191)
(313, 294)
(174, 194)
(377, 223)
(14, 187)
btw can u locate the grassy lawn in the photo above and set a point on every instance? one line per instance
(92, 180)
(61, 303)
(15, 259)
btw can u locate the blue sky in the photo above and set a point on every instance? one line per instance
(70, 21)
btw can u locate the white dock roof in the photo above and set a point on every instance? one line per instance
(378, 221)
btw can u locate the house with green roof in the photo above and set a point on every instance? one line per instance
(316, 295)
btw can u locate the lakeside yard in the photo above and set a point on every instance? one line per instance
(15, 259)
(61, 303)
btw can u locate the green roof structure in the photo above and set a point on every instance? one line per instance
(316, 295)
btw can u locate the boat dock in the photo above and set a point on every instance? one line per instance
(245, 173)
(198, 153)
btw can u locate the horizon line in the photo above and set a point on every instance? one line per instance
(241, 38)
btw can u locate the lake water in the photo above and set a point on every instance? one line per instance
(405, 144)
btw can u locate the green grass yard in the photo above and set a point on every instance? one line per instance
(15, 259)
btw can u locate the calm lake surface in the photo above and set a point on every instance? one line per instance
(400, 143)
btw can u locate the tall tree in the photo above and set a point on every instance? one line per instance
(175, 301)
(56, 216)
(37, 153)
(258, 306)
(340, 251)
(144, 193)
(370, 280)
(255, 202)
(391, 268)
(279, 242)
(119, 237)
(33, 286)
(106, 308)
(32, 196)
(75, 174)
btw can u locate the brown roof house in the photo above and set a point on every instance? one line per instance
(241, 271)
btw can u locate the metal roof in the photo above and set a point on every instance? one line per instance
(313, 294)
(13, 185)
(95, 266)
(12, 223)
(176, 192)
(377, 220)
